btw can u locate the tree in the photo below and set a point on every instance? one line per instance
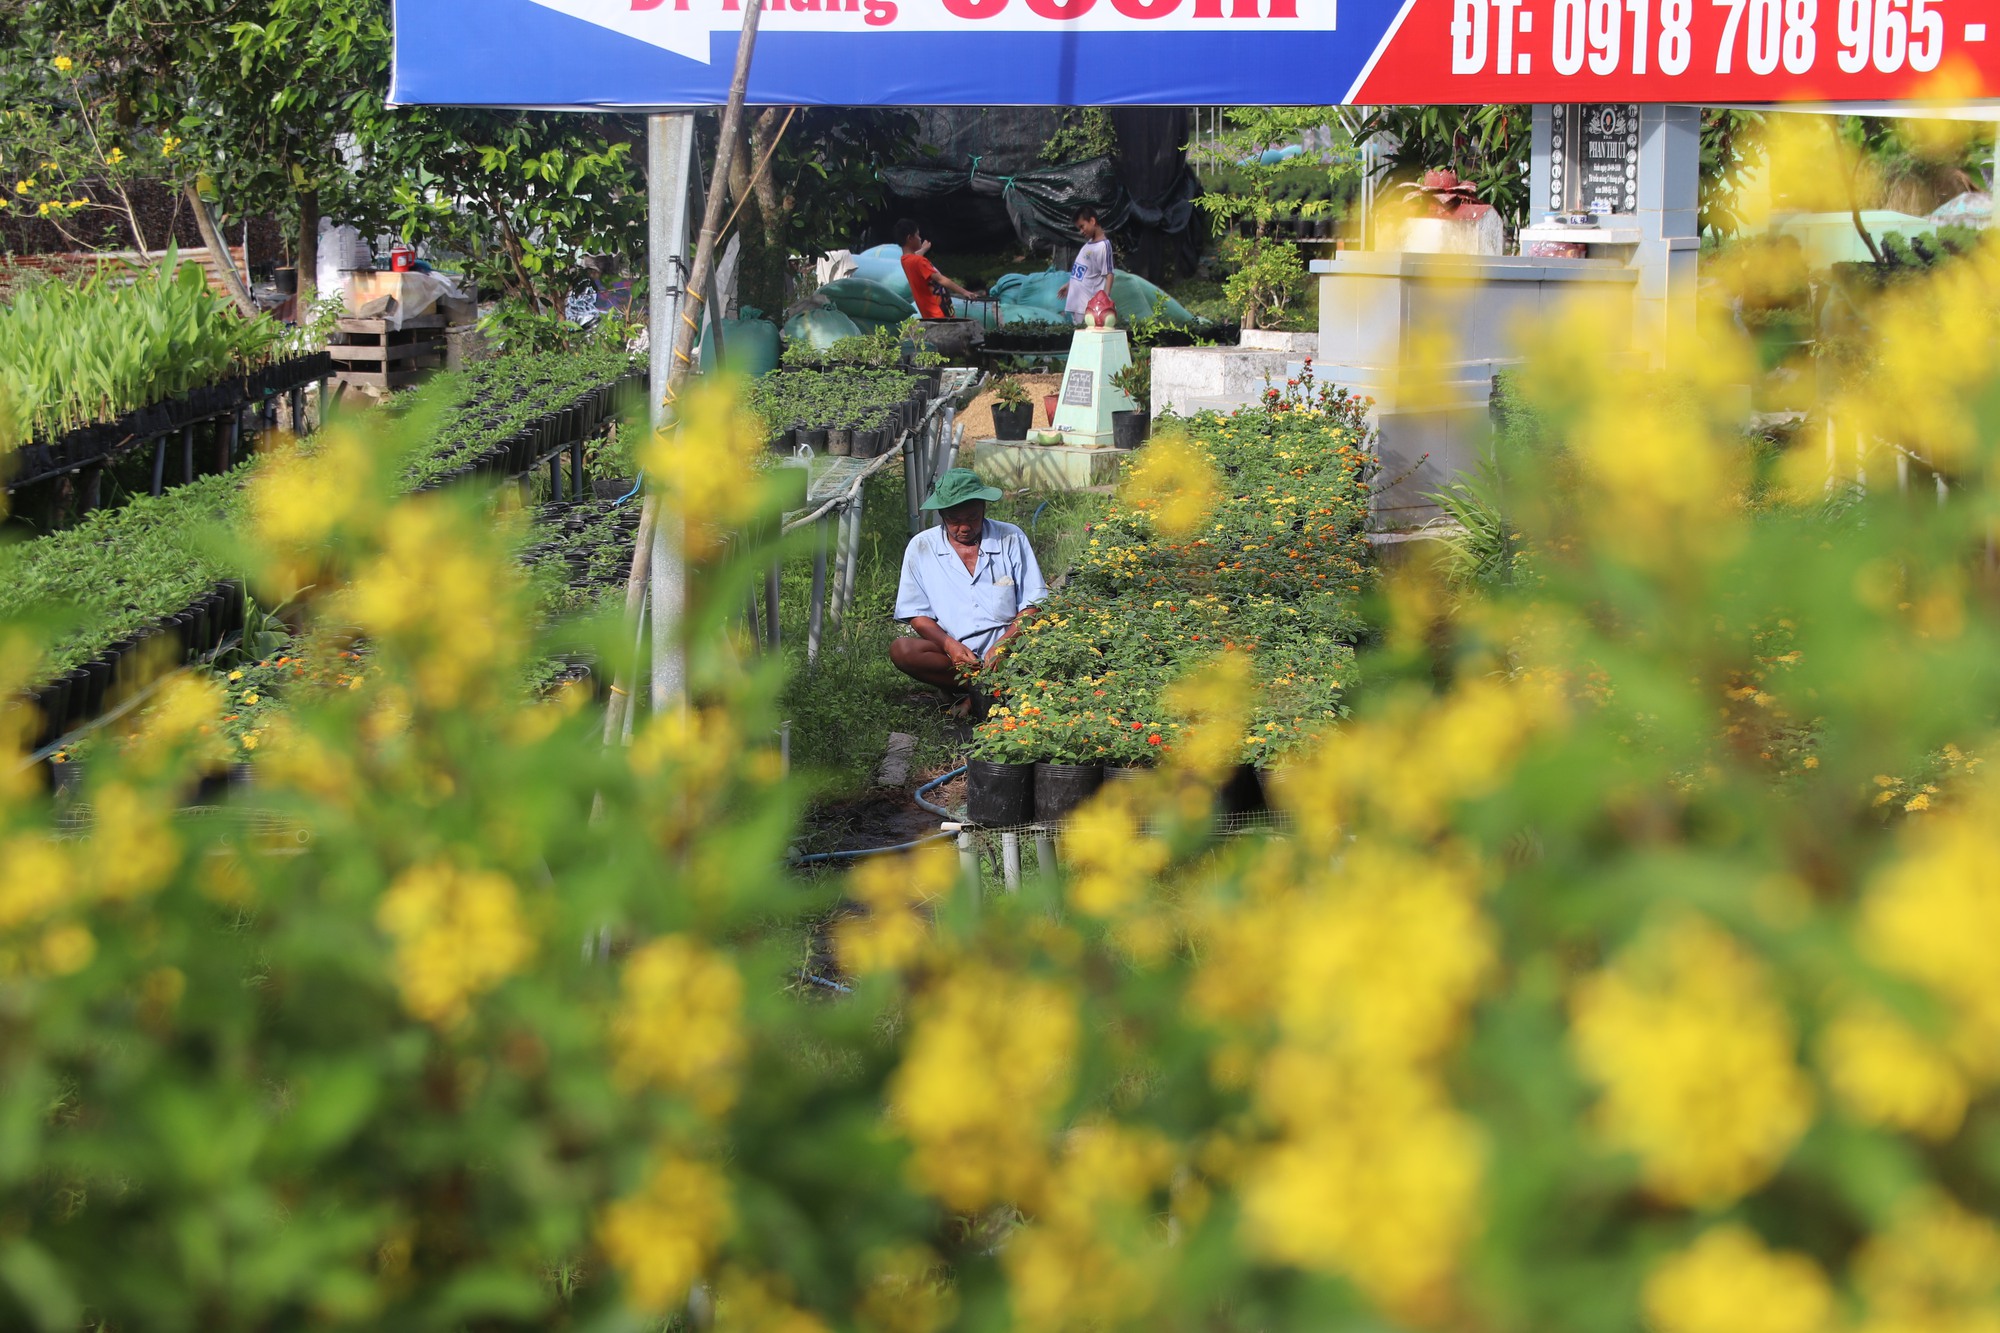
(1488, 146)
(1268, 180)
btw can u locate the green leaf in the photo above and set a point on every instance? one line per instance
(40, 1285)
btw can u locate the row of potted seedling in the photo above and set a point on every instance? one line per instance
(40, 460)
(189, 634)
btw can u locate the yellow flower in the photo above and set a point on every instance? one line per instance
(169, 144)
(1928, 915)
(458, 933)
(115, 156)
(1888, 1074)
(236, 675)
(1936, 1267)
(895, 892)
(1728, 1282)
(36, 879)
(665, 1237)
(1695, 1058)
(63, 64)
(677, 1022)
(67, 949)
(986, 1067)
(22, 187)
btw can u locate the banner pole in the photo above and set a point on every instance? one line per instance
(670, 161)
(668, 576)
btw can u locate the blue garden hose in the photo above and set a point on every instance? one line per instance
(937, 782)
(868, 851)
(638, 484)
(901, 846)
(1038, 515)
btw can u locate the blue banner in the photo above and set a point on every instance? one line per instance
(678, 53)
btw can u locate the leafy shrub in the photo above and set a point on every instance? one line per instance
(1567, 1003)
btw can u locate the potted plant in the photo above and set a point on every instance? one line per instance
(999, 774)
(1012, 412)
(1130, 427)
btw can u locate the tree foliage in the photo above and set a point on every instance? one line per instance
(1268, 273)
(1488, 146)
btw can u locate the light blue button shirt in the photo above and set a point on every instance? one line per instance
(974, 608)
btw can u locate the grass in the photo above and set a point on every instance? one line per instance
(843, 709)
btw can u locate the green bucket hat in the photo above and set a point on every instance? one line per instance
(956, 487)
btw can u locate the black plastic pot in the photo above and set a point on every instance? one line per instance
(867, 443)
(839, 441)
(53, 702)
(1242, 794)
(813, 438)
(100, 681)
(1061, 788)
(77, 699)
(1129, 429)
(1120, 773)
(999, 795)
(65, 777)
(1011, 423)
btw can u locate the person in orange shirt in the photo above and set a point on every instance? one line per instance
(927, 286)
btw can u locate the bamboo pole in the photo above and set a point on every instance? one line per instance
(666, 575)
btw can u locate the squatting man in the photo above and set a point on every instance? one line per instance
(967, 585)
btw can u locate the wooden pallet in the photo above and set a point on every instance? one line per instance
(368, 353)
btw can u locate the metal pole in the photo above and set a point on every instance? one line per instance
(913, 492)
(1010, 860)
(1045, 852)
(187, 452)
(851, 547)
(817, 616)
(772, 596)
(670, 162)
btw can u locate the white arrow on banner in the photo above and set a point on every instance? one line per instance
(684, 26)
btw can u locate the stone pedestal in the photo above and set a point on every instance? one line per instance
(1187, 380)
(1087, 397)
(1013, 465)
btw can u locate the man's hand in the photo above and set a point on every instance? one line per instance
(961, 656)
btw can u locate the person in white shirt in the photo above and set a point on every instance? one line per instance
(1091, 273)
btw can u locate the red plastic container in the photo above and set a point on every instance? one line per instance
(402, 258)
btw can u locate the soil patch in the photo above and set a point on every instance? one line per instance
(978, 415)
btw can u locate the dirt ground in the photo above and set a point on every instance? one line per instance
(882, 817)
(978, 417)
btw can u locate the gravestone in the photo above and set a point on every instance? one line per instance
(1088, 398)
(1594, 165)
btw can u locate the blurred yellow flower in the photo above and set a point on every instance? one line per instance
(678, 1022)
(894, 893)
(1695, 1058)
(1936, 1267)
(1929, 916)
(665, 1237)
(63, 64)
(1729, 1282)
(1888, 1074)
(1174, 483)
(986, 1066)
(36, 879)
(458, 933)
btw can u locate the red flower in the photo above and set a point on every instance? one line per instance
(1138, 726)
(1152, 740)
